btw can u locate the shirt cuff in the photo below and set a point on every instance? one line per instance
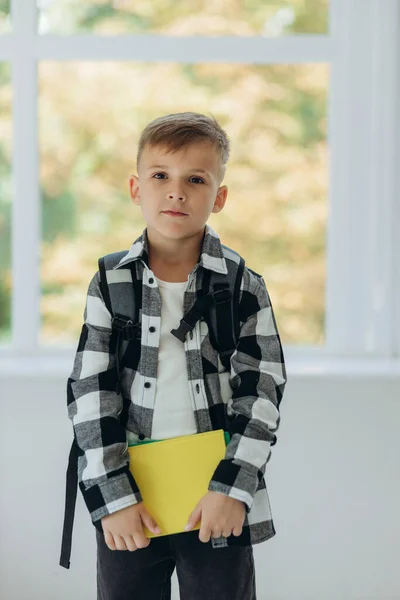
(111, 495)
(235, 481)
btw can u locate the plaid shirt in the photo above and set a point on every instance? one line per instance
(248, 396)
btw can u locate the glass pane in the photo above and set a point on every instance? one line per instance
(5, 203)
(275, 214)
(5, 16)
(182, 18)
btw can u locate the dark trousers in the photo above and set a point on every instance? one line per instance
(204, 572)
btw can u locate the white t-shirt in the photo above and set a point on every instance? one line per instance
(173, 412)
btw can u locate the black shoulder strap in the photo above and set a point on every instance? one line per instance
(236, 297)
(125, 328)
(220, 308)
(70, 501)
(104, 285)
(225, 320)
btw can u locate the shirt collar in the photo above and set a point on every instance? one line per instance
(211, 255)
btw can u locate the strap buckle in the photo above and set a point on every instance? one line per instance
(126, 327)
(119, 322)
(182, 330)
(224, 295)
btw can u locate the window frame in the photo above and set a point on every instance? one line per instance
(362, 49)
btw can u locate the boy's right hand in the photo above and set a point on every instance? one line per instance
(123, 530)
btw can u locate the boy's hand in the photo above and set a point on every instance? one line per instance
(219, 515)
(123, 530)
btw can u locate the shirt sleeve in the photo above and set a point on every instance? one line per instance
(104, 478)
(257, 378)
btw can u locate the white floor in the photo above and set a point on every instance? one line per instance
(333, 481)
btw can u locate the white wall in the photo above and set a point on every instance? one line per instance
(333, 481)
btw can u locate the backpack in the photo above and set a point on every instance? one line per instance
(217, 304)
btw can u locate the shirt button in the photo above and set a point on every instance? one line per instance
(147, 384)
(141, 436)
(152, 329)
(151, 280)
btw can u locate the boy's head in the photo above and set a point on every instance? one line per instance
(181, 162)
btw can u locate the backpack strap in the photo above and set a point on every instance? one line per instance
(220, 307)
(201, 305)
(223, 318)
(70, 502)
(103, 284)
(125, 326)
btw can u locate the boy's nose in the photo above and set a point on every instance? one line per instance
(178, 195)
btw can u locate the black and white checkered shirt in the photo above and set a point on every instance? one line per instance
(249, 394)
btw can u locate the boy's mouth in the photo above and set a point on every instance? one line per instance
(173, 213)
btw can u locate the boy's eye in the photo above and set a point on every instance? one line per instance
(194, 177)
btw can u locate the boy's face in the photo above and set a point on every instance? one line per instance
(173, 181)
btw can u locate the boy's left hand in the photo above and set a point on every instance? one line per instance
(219, 515)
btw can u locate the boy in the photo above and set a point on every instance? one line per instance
(178, 388)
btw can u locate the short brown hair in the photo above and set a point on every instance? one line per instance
(178, 130)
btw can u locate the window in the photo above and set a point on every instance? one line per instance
(299, 87)
(275, 213)
(180, 18)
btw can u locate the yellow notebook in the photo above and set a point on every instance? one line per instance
(174, 474)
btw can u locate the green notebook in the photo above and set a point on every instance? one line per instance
(226, 436)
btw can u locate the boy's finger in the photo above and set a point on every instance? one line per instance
(130, 544)
(150, 523)
(119, 542)
(216, 533)
(205, 534)
(141, 540)
(194, 518)
(109, 540)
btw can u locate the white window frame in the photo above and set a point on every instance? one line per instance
(362, 49)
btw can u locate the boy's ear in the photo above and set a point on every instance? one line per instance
(134, 189)
(220, 199)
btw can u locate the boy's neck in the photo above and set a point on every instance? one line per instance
(176, 259)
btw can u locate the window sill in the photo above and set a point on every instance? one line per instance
(58, 363)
